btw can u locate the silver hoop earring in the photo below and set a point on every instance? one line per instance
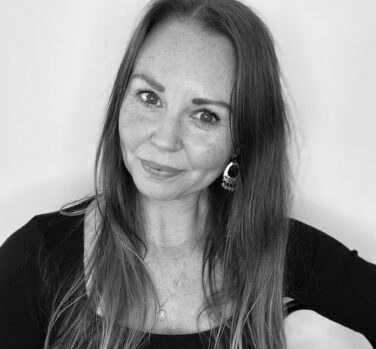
(230, 177)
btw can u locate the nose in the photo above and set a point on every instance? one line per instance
(167, 133)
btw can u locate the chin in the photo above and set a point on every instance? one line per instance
(159, 195)
(156, 191)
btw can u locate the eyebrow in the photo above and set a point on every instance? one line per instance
(203, 101)
(150, 81)
(161, 88)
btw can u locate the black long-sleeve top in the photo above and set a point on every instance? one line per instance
(322, 274)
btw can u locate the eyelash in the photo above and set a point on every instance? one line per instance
(204, 123)
(138, 92)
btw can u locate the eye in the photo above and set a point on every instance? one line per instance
(148, 98)
(207, 117)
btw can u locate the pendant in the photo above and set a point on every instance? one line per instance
(162, 315)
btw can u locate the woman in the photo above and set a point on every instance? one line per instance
(186, 242)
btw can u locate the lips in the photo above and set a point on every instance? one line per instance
(159, 167)
(159, 171)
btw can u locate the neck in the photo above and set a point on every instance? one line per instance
(172, 228)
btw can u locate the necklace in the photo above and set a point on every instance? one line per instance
(162, 312)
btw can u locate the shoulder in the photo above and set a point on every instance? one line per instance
(45, 230)
(25, 244)
(308, 245)
(308, 241)
(300, 251)
(43, 235)
(315, 259)
(309, 250)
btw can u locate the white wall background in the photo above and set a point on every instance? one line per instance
(58, 60)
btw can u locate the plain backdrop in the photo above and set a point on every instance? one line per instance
(58, 60)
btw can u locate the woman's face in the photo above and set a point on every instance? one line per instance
(174, 121)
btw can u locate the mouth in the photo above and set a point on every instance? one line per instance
(160, 171)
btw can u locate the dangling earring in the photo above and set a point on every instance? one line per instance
(230, 178)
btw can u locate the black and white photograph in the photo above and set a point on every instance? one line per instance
(188, 174)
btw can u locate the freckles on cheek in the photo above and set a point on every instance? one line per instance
(211, 156)
(132, 126)
(218, 155)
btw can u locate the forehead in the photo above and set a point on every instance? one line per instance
(184, 52)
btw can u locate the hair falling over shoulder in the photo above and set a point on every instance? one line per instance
(247, 230)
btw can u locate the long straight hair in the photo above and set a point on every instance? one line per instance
(247, 230)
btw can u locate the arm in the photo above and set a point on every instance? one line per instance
(21, 325)
(327, 277)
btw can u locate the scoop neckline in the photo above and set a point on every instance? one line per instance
(180, 335)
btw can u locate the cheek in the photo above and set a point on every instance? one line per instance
(211, 153)
(132, 127)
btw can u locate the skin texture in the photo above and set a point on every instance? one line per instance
(179, 62)
(188, 63)
(158, 122)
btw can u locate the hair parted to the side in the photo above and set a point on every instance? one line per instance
(246, 230)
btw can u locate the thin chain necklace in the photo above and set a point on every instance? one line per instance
(162, 312)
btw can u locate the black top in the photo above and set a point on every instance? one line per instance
(322, 274)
